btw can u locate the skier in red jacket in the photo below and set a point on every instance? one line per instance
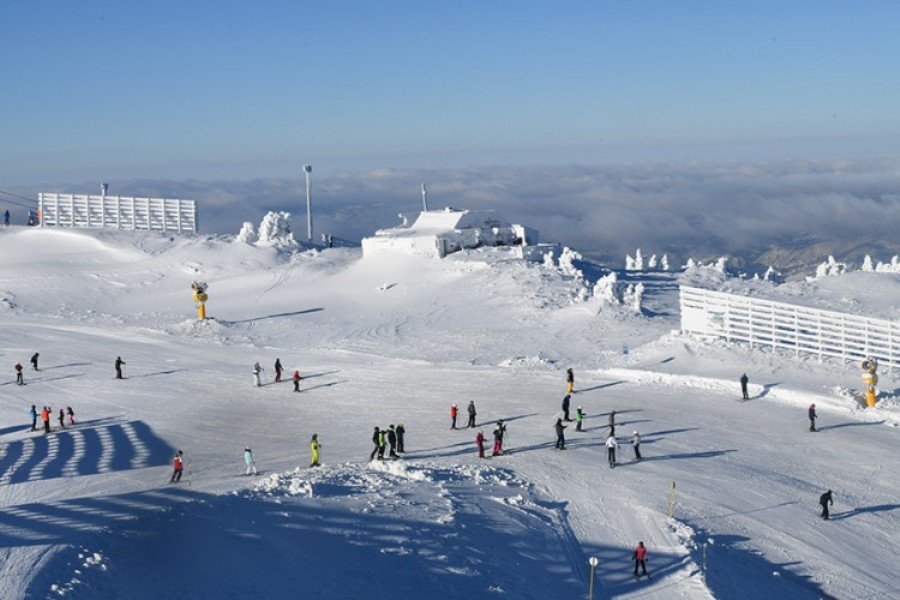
(479, 441)
(640, 559)
(178, 464)
(453, 413)
(296, 379)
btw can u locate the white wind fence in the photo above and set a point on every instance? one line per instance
(789, 326)
(117, 212)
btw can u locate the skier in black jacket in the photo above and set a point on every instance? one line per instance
(825, 499)
(471, 414)
(560, 435)
(565, 407)
(401, 430)
(744, 381)
(119, 363)
(375, 440)
(392, 441)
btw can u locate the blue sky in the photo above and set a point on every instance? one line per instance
(163, 89)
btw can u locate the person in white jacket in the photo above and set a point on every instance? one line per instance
(251, 464)
(256, 371)
(611, 447)
(636, 442)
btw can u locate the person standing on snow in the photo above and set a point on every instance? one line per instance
(34, 361)
(6, 218)
(453, 412)
(381, 444)
(296, 379)
(119, 363)
(744, 381)
(826, 499)
(401, 431)
(560, 435)
(248, 460)
(499, 430)
(565, 407)
(471, 413)
(392, 441)
(62, 419)
(636, 442)
(71, 414)
(376, 436)
(277, 370)
(19, 378)
(611, 447)
(579, 418)
(45, 417)
(479, 441)
(256, 371)
(178, 467)
(640, 559)
(34, 416)
(612, 423)
(812, 417)
(570, 381)
(314, 446)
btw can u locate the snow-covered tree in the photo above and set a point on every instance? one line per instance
(664, 263)
(772, 275)
(867, 264)
(275, 230)
(565, 263)
(633, 296)
(720, 264)
(651, 264)
(690, 264)
(247, 234)
(638, 261)
(608, 289)
(629, 263)
(548, 260)
(891, 267)
(830, 268)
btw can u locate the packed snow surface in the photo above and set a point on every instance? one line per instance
(87, 512)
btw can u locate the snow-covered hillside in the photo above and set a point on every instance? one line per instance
(88, 512)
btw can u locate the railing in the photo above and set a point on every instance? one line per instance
(789, 326)
(117, 212)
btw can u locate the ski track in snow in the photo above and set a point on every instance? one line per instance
(86, 510)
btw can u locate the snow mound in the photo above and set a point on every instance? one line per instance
(538, 361)
(208, 329)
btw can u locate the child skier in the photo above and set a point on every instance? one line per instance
(62, 419)
(296, 379)
(71, 414)
(248, 460)
(570, 381)
(178, 467)
(479, 441)
(453, 412)
(611, 447)
(579, 418)
(636, 442)
(314, 448)
(640, 559)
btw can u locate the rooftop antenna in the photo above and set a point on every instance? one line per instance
(309, 228)
(424, 198)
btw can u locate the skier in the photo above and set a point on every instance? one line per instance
(296, 379)
(62, 419)
(570, 381)
(401, 431)
(579, 418)
(479, 441)
(314, 446)
(560, 435)
(381, 444)
(636, 442)
(34, 416)
(453, 411)
(471, 413)
(611, 447)
(825, 499)
(256, 371)
(45, 417)
(640, 559)
(277, 370)
(119, 363)
(744, 381)
(34, 361)
(71, 414)
(248, 460)
(392, 441)
(565, 407)
(178, 467)
(376, 436)
(812, 417)
(612, 423)
(19, 379)
(498, 438)
(6, 218)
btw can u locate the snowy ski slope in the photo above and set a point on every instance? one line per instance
(88, 513)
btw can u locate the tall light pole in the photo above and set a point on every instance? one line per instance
(424, 198)
(308, 170)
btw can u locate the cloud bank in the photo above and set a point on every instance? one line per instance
(700, 210)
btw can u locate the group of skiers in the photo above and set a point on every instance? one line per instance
(454, 411)
(46, 414)
(257, 371)
(393, 437)
(811, 412)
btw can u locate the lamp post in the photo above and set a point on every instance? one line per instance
(593, 562)
(309, 220)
